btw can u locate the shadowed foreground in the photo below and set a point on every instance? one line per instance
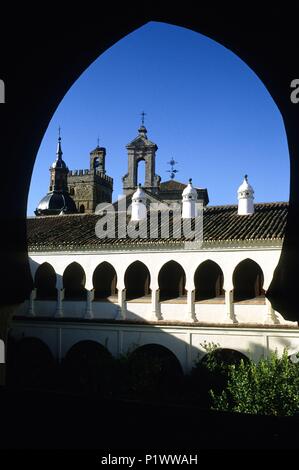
(35, 420)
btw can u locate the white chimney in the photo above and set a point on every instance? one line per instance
(138, 205)
(189, 198)
(245, 198)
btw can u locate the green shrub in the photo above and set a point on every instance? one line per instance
(270, 387)
(211, 372)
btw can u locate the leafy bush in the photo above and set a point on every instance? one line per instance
(212, 372)
(270, 387)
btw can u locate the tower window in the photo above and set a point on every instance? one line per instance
(82, 209)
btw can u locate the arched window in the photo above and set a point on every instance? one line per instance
(82, 209)
(104, 281)
(45, 282)
(208, 280)
(137, 281)
(74, 282)
(248, 281)
(141, 172)
(172, 280)
(95, 163)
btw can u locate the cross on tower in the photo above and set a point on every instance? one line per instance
(142, 118)
(172, 170)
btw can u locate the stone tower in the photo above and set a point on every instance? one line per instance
(58, 171)
(57, 200)
(92, 186)
(141, 148)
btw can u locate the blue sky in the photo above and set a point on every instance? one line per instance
(204, 107)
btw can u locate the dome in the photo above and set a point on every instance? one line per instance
(139, 194)
(245, 198)
(53, 203)
(245, 189)
(59, 163)
(189, 192)
(138, 208)
(142, 130)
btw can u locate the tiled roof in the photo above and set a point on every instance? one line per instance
(267, 223)
(171, 185)
(220, 224)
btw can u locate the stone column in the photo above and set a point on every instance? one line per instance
(59, 281)
(6, 314)
(190, 315)
(156, 310)
(122, 307)
(229, 305)
(270, 317)
(59, 308)
(89, 299)
(31, 309)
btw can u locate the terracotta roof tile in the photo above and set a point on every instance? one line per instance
(220, 224)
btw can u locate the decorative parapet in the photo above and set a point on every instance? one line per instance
(86, 172)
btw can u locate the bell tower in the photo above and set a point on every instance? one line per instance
(97, 159)
(90, 187)
(58, 170)
(141, 148)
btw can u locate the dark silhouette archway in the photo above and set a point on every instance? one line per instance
(45, 282)
(228, 27)
(137, 281)
(104, 281)
(208, 281)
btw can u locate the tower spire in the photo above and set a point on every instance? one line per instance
(142, 118)
(59, 170)
(59, 150)
(142, 129)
